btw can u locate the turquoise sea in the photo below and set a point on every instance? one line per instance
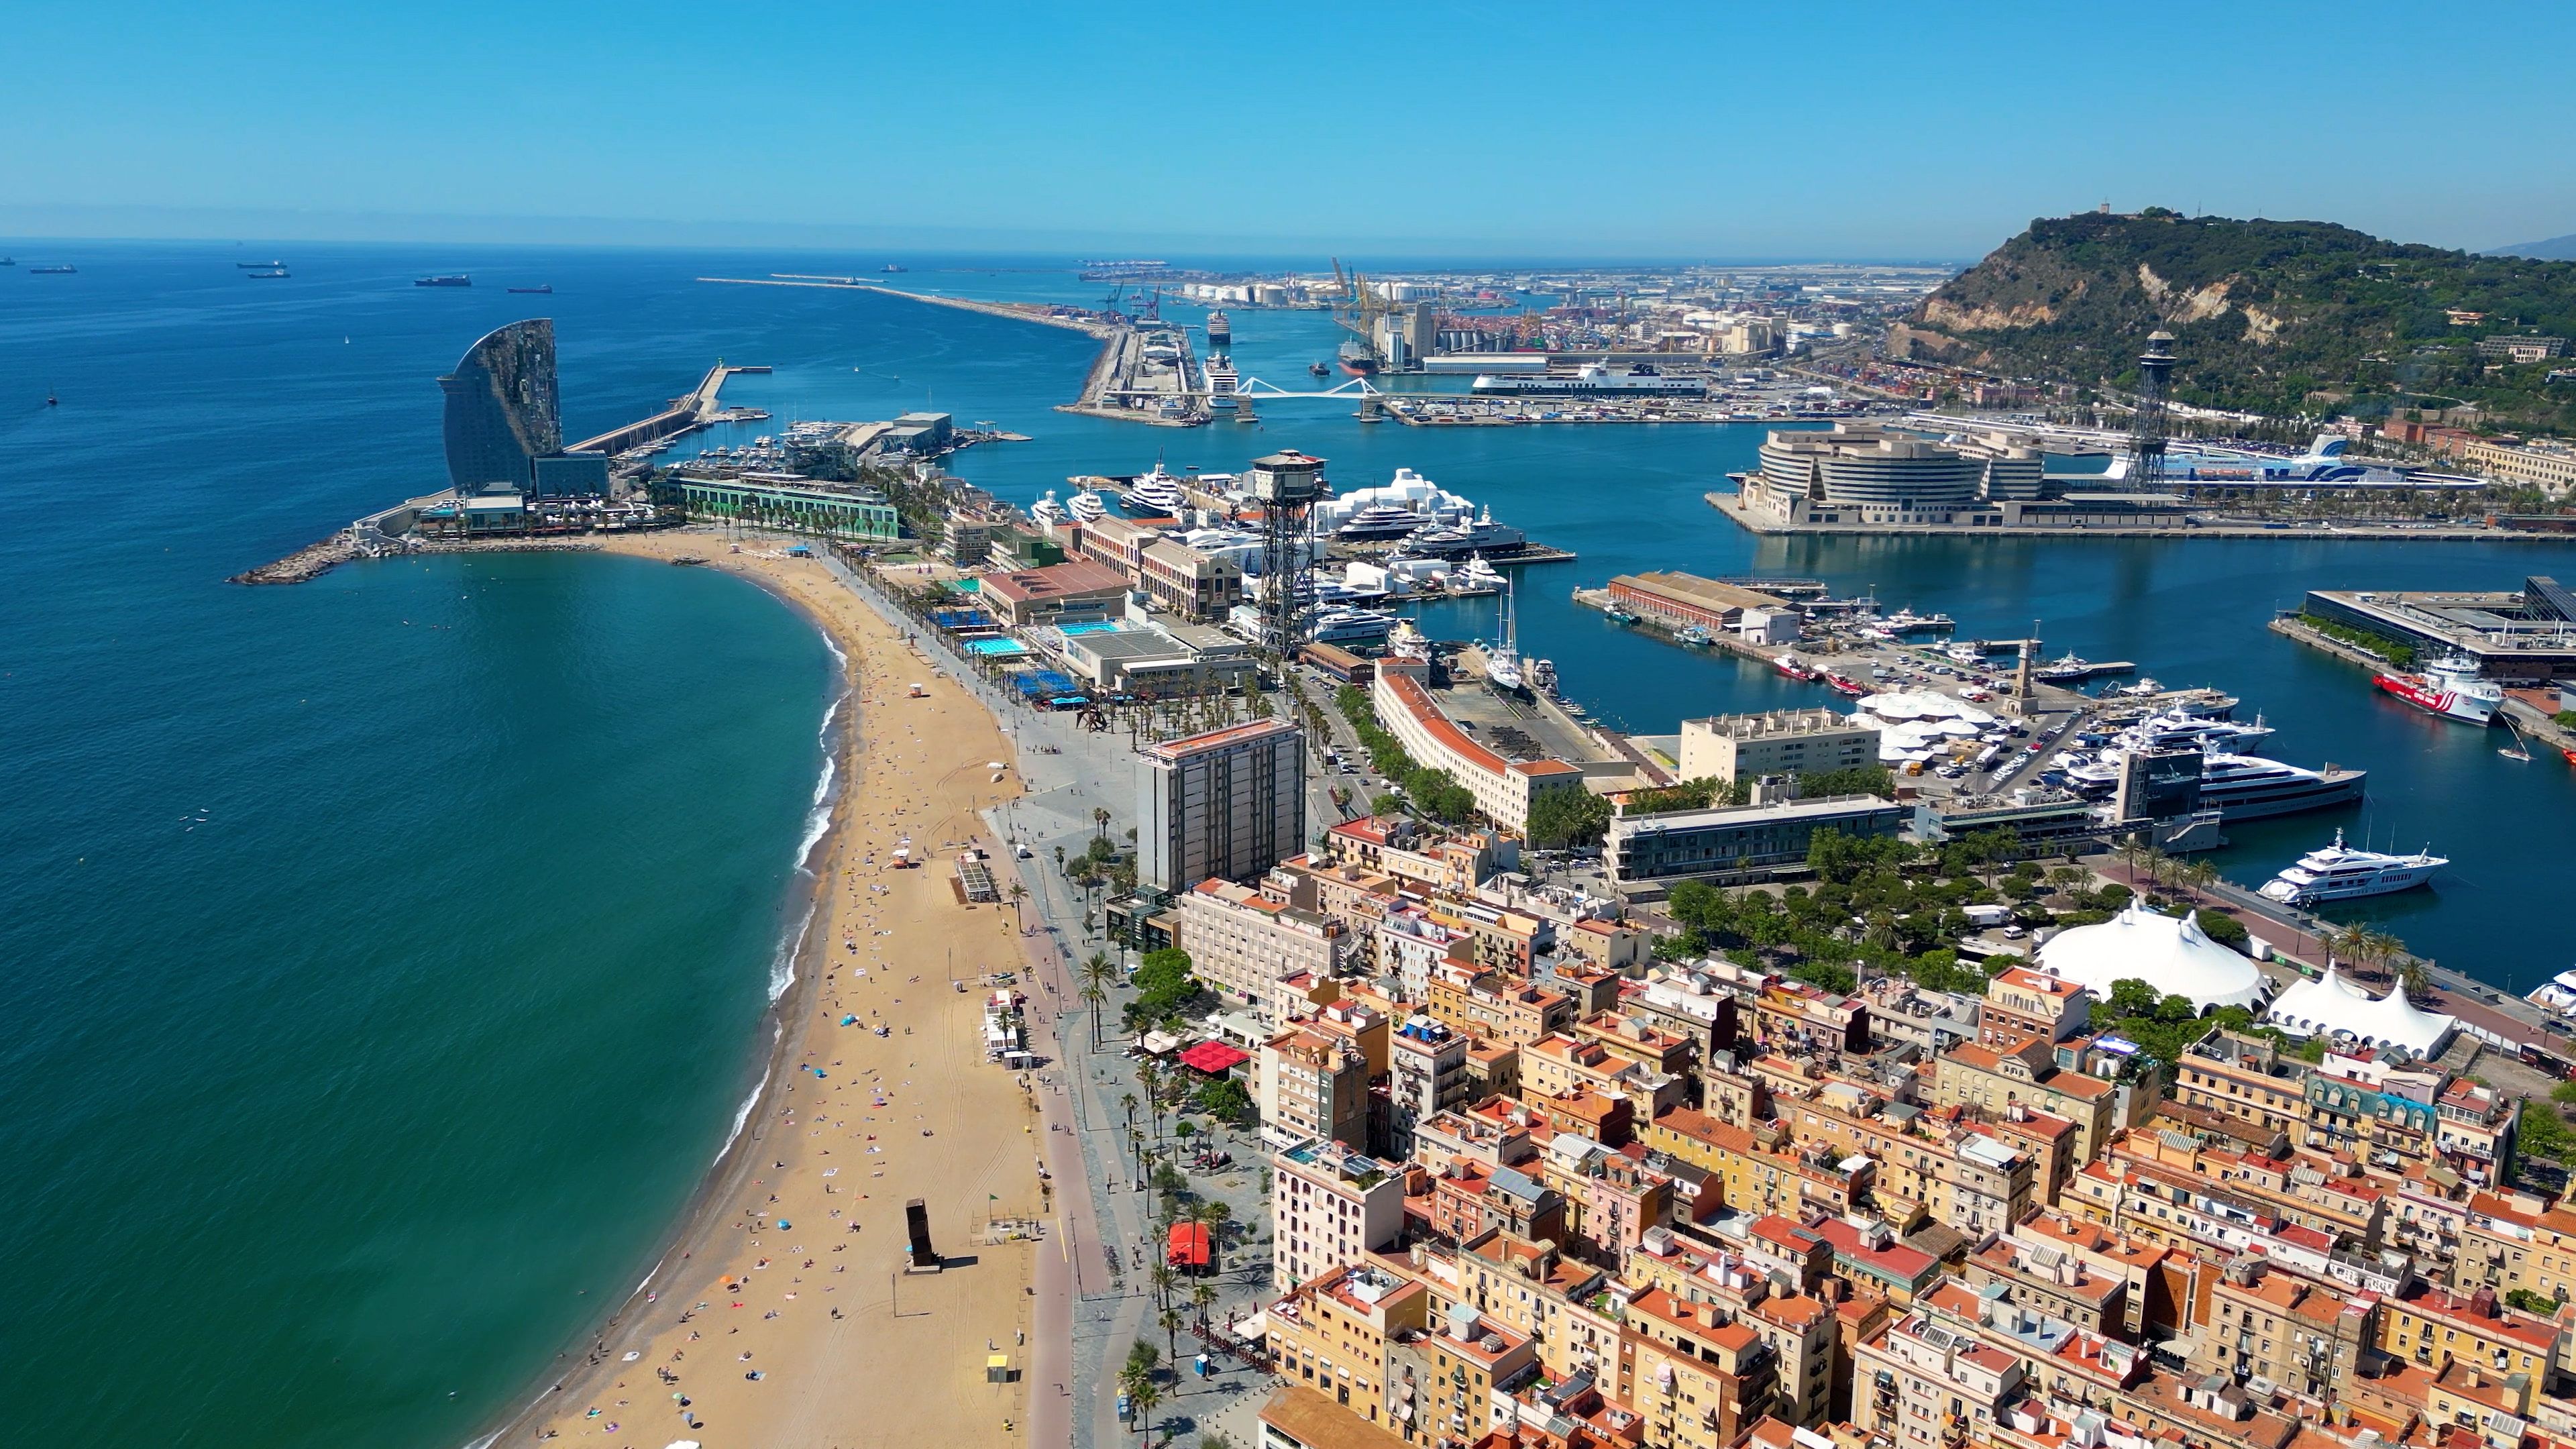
(382, 959)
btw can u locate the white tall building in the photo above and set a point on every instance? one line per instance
(1230, 803)
(1329, 1206)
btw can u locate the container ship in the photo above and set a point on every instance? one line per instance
(458, 279)
(2448, 687)
(1357, 359)
(545, 290)
(1593, 379)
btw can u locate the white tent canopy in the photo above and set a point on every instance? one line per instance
(2174, 956)
(2330, 1006)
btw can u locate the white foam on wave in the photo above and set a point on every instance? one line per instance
(782, 967)
(819, 818)
(742, 1114)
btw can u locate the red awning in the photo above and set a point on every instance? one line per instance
(1214, 1058)
(1188, 1246)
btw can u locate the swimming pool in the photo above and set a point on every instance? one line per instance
(1096, 626)
(996, 648)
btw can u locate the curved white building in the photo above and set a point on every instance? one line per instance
(2173, 955)
(2332, 1007)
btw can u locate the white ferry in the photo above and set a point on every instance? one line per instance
(2339, 872)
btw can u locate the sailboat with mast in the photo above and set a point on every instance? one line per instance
(1503, 661)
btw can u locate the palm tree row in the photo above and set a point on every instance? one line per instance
(2377, 951)
(2166, 872)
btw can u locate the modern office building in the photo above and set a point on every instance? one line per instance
(1230, 803)
(502, 413)
(1876, 471)
(1739, 844)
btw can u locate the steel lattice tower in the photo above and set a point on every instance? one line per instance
(1285, 484)
(2147, 428)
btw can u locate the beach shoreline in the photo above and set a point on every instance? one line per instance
(707, 1263)
(786, 1021)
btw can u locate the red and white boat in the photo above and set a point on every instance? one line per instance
(1845, 685)
(2448, 687)
(1788, 664)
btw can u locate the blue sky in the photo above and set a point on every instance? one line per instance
(1905, 131)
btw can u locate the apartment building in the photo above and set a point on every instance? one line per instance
(1329, 1206)
(2028, 1074)
(2245, 1077)
(1227, 804)
(1312, 1086)
(1332, 1334)
(1494, 1007)
(1241, 940)
(1427, 1075)
(1732, 747)
(2300, 1334)
(1924, 1383)
(1698, 1382)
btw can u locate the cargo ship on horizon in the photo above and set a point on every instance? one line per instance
(458, 279)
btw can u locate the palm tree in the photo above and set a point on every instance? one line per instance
(2134, 851)
(1018, 893)
(2413, 976)
(1094, 995)
(1136, 1380)
(2203, 874)
(1100, 822)
(1203, 1298)
(1146, 1397)
(1172, 1320)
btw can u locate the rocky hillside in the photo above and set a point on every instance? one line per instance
(2286, 317)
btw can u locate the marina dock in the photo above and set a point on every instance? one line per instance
(685, 414)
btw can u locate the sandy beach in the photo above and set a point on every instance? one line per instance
(781, 1315)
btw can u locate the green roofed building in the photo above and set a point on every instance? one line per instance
(840, 513)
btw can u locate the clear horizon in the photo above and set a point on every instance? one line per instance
(1446, 132)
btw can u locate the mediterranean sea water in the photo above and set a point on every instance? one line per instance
(381, 958)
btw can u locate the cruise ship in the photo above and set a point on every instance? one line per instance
(1593, 379)
(1220, 333)
(2340, 872)
(1156, 495)
(1221, 382)
(2448, 687)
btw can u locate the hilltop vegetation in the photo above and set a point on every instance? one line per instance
(2280, 317)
